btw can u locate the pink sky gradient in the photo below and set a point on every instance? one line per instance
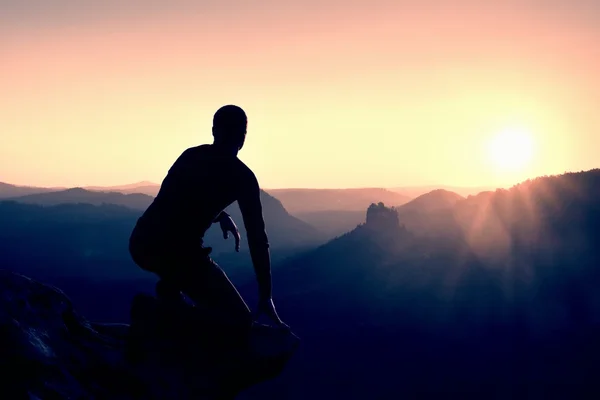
(338, 94)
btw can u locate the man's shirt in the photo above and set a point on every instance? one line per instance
(199, 185)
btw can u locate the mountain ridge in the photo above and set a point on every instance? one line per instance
(431, 201)
(9, 190)
(89, 223)
(508, 283)
(299, 201)
(464, 191)
(137, 201)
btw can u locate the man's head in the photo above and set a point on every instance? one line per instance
(229, 127)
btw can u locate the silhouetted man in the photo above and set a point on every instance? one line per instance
(167, 238)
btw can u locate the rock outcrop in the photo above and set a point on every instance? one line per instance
(49, 351)
(381, 217)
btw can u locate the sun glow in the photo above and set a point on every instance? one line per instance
(511, 149)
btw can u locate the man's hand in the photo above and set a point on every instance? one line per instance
(267, 308)
(227, 225)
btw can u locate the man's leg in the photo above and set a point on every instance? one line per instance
(209, 287)
(151, 260)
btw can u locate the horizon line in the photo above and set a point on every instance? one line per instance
(150, 183)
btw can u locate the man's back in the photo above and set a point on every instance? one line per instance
(199, 185)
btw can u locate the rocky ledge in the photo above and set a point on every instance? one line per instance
(49, 351)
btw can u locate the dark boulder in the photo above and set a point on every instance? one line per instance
(49, 351)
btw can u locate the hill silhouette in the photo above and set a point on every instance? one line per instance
(85, 235)
(438, 199)
(285, 229)
(83, 249)
(136, 201)
(297, 201)
(497, 297)
(300, 201)
(333, 223)
(464, 191)
(430, 214)
(8, 190)
(473, 312)
(416, 214)
(144, 187)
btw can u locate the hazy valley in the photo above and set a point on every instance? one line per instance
(441, 294)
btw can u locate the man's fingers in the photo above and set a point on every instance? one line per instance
(236, 236)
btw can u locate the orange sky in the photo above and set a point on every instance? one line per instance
(338, 93)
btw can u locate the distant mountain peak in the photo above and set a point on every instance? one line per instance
(74, 190)
(434, 200)
(8, 190)
(80, 195)
(298, 201)
(381, 217)
(145, 187)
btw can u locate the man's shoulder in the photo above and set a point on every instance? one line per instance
(245, 170)
(242, 166)
(205, 153)
(191, 152)
(197, 150)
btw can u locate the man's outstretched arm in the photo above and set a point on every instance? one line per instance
(251, 208)
(258, 242)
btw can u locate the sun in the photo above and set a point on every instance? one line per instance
(511, 149)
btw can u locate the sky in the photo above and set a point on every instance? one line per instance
(338, 93)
